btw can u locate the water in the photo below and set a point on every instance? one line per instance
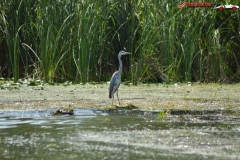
(119, 134)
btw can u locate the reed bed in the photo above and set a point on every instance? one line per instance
(79, 40)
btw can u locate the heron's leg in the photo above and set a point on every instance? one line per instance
(112, 99)
(118, 98)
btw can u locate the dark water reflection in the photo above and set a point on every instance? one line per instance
(119, 134)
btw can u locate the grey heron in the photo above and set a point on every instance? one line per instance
(116, 78)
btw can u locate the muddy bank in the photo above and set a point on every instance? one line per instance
(144, 96)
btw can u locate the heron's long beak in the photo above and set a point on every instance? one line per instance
(127, 53)
(123, 53)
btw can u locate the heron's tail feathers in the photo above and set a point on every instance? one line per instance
(110, 95)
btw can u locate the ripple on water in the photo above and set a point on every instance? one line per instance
(100, 134)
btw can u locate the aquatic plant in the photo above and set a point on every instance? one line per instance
(78, 41)
(161, 115)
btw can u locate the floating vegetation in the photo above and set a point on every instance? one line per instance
(128, 106)
(9, 86)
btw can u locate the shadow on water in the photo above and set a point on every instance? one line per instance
(120, 134)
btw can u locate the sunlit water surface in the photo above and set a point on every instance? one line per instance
(119, 134)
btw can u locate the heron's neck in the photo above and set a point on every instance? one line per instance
(120, 63)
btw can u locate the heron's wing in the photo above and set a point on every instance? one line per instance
(114, 84)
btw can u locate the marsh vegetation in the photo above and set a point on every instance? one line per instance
(78, 40)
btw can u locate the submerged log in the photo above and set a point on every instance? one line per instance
(63, 111)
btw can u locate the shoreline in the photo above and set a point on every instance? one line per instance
(144, 96)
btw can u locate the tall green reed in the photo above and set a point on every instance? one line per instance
(11, 30)
(53, 28)
(79, 40)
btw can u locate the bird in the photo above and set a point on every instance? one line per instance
(116, 78)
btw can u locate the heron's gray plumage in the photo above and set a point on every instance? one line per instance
(116, 77)
(114, 84)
